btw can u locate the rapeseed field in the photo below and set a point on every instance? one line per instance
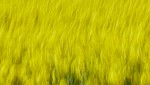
(74, 42)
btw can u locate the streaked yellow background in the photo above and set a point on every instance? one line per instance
(74, 42)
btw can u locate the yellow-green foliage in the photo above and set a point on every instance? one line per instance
(74, 42)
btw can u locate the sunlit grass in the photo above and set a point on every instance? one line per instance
(74, 42)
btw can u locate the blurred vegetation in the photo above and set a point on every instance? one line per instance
(74, 42)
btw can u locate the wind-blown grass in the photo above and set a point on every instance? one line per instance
(74, 42)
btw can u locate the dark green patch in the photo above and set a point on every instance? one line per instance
(72, 80)
(127, 81)
(16, 81)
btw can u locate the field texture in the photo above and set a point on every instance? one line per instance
(74, 42)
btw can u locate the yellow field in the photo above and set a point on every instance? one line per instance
(74, 42)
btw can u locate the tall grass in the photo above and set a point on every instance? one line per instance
(74, 42)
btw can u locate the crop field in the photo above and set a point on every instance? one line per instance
(74, 42)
